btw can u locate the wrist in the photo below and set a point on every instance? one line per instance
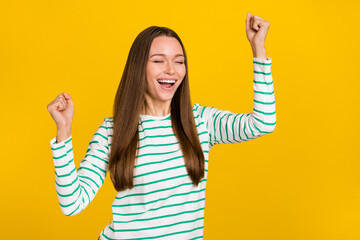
(63, 134)
(64, 130)
(64, 125)
(260, 54)
(259, 51)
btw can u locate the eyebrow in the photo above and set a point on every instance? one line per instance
(160, 54)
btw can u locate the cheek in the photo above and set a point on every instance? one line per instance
(181, 70)
(183, 73)
(148, 73)
(152, 72)
(150, 76)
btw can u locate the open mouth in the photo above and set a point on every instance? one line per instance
(166, 83)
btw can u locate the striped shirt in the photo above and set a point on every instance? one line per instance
(164, 203)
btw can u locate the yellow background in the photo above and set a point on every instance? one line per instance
(299, 182)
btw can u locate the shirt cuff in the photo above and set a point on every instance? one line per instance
(267, 60)
(55, 145)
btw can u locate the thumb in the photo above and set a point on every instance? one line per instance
(247, 22)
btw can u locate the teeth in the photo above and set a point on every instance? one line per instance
(167, 81)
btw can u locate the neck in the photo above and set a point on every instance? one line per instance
(156, 108)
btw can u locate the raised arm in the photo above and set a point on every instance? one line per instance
(77, 188)
(227, 127)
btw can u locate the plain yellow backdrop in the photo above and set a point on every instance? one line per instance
(299, 182)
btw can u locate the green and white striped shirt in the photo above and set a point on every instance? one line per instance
(164, 203)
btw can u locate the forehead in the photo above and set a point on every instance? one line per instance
(166, 45)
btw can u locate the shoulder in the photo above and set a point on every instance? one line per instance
(107, 125)
(202, 111)
(196, 108)
(104, 133)
(108, 121)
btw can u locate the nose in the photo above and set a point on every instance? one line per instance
(169, 68)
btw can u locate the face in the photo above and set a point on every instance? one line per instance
(165, 69)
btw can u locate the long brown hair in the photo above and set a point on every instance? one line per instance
(129, 101)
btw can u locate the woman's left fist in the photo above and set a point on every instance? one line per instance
(256, 30)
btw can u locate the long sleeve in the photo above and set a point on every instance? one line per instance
(77, 188)
(228, 127)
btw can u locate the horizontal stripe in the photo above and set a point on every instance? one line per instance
(97, 167)
(94, 156)
(266, 123)
(64, 155)
(157, 162)
(70, 204)
(65, 175)
(88, 186)
(269, 93)
(66, 164)
(156, 237)
(162, 170)
(260, 131)
(267, 83)
(264, 73)
(84, 177)
(54, 149)
(66, 142)
(264, 102)
(163, 216)
(70, 194)
(261, 63)
(152, 154)
(99, 150)
(158, 145)
(157, 136)
(162, 127)
(99, 134)
(157, 127)
(152, 120)
(165, 135)
(106, 127)
(161, 180)
(66, 185)
(198, 237)
(156, 191)
(98, 143)
(157, 200)
(265, 113)
(73, 211)
(91, 170)
(151, 228)
(164, 206)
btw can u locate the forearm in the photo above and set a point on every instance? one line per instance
(70, 193)
(264, 115)
(63, 132)
(259, 51)
(76, 188)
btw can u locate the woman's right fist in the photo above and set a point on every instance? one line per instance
(62, 110)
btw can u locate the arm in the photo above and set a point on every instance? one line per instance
(77, 188)
(228, 127)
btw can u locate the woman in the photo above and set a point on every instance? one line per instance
(156, 145)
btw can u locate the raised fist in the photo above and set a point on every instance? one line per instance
(62, 110)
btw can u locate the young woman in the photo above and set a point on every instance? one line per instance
(156, 145)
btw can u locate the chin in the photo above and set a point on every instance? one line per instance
(165, 98)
